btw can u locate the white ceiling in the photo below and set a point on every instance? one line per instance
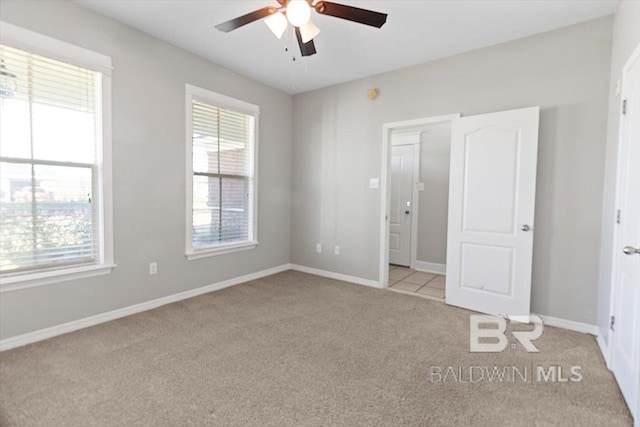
(415, 32)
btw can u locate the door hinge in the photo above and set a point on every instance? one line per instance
(624, 106)
(618, 217)
(613, 322)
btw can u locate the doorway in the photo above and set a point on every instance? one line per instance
(491, 206)
(417, 199)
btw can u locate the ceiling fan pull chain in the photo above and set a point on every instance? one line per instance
(298, 14)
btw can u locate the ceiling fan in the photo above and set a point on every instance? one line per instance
(298, 14)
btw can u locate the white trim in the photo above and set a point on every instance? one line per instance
(219, 100)
(430, 267)
(105, 185)
(336, 276)
(226, 249)
(33, 280)
(406, 138)
(40, 44)
(571, 325)
(604, 348)
(415, 203)
(385, 202)
(548, 320)
(422, 121)
(385, 185)
(46, 333)
(188, 170)
(46, 46)
(43, 334)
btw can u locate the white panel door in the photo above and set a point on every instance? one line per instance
(400, 213)
(491, 207)
(625, 334)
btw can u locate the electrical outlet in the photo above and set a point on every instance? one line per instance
(153, 268)
(336, 250)
(318, 247)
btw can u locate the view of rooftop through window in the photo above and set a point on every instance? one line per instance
(223, 169)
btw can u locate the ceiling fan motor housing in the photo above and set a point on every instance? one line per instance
(307, 47)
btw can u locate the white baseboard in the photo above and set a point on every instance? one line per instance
(43, 334)
(336, 276)
(430, 267)
(571, 325)
(604, 347)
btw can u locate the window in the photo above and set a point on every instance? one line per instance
(53, 204)
(221, 186)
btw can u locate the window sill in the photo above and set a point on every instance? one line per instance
(226, 249)
(25, 281)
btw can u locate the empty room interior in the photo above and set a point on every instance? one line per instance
(310, 213)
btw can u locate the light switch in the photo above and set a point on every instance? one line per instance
(374, 183)
(421, 186)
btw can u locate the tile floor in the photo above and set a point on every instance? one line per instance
(428, 285)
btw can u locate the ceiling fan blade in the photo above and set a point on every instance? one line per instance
(306, 49)
(350, 13)
(309, 31)
(246, 19)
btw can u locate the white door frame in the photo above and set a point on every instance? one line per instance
(615, 248)
(385, 184)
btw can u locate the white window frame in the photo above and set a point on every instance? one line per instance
(33, 42)
(223, 101)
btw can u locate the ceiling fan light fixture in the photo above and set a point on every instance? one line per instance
(308, 31)
(298, 12)
(277, 23)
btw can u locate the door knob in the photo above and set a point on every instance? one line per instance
(525, 227)
(630, 250)
(407, 212)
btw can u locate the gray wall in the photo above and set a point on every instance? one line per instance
(149, 178)
(337, 141)
(435, 147)
(626, 36)
(320, 192)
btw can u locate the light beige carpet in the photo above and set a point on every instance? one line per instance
(297, 350)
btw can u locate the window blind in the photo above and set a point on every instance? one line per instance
(49, 135)
(223, 175)
(50, 82)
